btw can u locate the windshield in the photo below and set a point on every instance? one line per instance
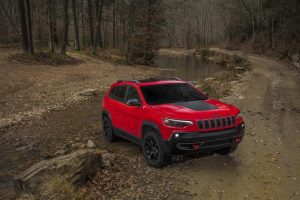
(171, 93)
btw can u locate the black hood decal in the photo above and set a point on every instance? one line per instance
(196, 105)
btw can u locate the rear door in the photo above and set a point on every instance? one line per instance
(117, 106)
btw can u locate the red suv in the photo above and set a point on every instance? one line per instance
(170, 116)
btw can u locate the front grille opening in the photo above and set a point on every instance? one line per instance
(206, 123)
(212, 123)
(233, 120)
(217, 142)
(218, 123)
(229, 121)
(223, 122)
(200, 124)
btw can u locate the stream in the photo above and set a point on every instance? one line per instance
(186, 67)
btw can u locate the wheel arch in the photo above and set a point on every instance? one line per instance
(148, 125)
(105, 113)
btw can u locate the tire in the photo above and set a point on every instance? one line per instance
(227, 150)
(154, 150)
(108, 130)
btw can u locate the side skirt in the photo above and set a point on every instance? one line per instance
(127, 136)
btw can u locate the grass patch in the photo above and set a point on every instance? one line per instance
(204, 53)
(43, 59)
(26, 197)
(57, 187)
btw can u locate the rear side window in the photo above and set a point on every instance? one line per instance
(118, 93)
(132, 94)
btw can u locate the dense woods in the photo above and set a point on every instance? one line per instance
(140, 27)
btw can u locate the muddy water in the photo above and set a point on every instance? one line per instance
(186, 67)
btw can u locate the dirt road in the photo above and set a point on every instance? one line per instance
(266, 165)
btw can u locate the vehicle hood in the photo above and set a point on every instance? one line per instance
(200, 109)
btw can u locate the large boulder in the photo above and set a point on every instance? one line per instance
(76, 168)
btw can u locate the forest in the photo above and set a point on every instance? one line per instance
(140, 28)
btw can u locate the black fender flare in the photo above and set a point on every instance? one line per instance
(151, 125)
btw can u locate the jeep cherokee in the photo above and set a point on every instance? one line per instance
(170, 116)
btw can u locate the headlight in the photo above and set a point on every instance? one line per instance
(239, 115)
(176, 122)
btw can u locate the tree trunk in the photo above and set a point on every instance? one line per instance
(90, 18)
(82, 23)
(76, 27)
(55, 38)
(98, 38)
(124, 24)
(114, 24)
(66, 27)
(29, 27)
(50, 21)
(23, 25)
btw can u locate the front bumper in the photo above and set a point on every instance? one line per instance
(185, 142)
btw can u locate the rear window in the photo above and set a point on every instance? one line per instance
(118, 93)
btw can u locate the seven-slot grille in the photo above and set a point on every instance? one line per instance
(216, 123)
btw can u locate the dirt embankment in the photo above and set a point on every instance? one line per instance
(29, 91)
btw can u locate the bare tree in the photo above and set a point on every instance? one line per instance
(114, 24)
(76, 27)
(29, 27)
(90, 19)
(98, 39)
(50, 24)
(66, 27)
(23, 23)
(82, 23)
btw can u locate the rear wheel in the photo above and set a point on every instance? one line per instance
(227, 150)
(108, 131)
(154, 150)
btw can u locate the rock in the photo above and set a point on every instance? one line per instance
(107, 159)
(209, 79)
(90, 144)
(90, 92)
(61, 152)
(239, 68)
(76, 168)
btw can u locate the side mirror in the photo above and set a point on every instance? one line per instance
(133, 102)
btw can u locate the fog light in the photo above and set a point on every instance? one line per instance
(237, 140)
(176, 135)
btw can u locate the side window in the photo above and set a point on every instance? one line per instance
(118, 93)
(132, 94)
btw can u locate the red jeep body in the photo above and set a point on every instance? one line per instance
(203, 125)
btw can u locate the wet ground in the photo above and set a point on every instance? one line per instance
(265, 166)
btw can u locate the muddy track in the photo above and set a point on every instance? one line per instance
(266, 165)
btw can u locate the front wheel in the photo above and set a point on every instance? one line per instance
(108, 131)
(154, 150)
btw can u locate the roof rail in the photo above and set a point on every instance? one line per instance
(134, 81)
(160, 78)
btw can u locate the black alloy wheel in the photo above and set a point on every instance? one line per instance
(152, 150)
(108, 131)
